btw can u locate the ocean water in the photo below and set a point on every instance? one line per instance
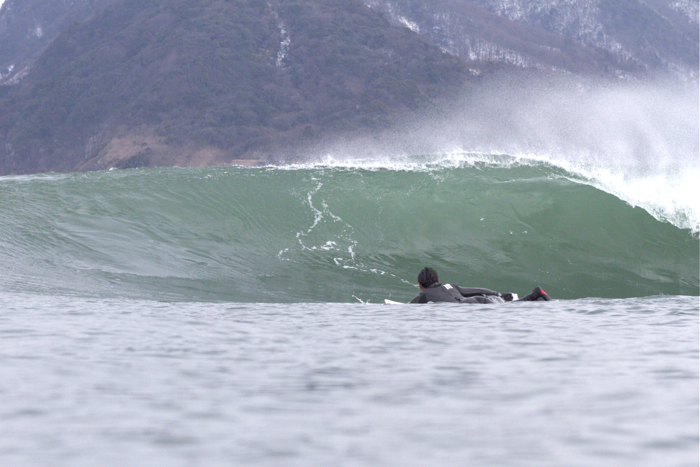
(234, 316)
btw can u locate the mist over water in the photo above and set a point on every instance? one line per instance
(624, 125)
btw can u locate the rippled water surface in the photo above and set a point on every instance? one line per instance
(113, 382)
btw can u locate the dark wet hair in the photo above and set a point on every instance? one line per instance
(427, 277)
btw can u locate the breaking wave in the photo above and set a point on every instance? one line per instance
(348, 230)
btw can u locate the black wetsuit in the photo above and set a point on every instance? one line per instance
(456, 294)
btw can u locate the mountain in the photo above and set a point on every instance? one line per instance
(614, 38)
(198, 82)
(94, 84)
(620, 38)
(27, 27)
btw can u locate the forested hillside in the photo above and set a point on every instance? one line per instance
(27, 27)
(175, 82)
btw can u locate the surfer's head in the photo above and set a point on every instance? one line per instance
(427, 277)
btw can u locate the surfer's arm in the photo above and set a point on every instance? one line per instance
(475, 291)
(420, 298)
(472, 291)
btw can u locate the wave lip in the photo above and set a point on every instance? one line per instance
(669, 192)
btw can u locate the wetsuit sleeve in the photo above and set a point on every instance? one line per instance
(483, 299)
(420, 298)
(472, 291)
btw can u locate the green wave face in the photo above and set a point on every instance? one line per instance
(336, 234)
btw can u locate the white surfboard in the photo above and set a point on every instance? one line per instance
(391, 302)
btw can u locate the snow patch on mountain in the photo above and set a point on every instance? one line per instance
(690, 8)
(575, 35)
(285, 39)
(409, 24)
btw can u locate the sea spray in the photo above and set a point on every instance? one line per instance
(636, 140)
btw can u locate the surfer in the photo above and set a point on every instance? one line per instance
(433, 291)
